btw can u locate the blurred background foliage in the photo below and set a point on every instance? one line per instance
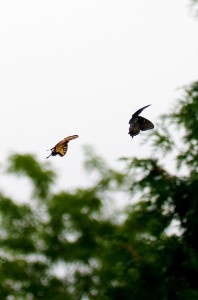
(75, 245)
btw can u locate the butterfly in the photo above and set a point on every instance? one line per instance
(62, 146)
(138, 123)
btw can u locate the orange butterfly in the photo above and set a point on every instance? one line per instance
(62, 146)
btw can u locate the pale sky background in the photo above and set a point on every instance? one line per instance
(83, 67)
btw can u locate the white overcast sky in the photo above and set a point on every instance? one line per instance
(83, 67)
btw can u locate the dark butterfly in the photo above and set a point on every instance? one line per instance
(62, 146)
(138, 123)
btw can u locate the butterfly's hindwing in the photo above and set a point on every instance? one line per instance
(145, 124)
(61, 149)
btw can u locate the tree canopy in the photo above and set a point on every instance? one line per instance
(74, 245)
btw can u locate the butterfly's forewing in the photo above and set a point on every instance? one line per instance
(145, 124)
(69, 138)
(140, 110)
(66, 140)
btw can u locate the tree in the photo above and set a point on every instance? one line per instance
(73, 245)
(194, 4)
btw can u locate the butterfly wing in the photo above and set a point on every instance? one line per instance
(145, 124)
(140, 110)
(61, 148)
(69, 138)
(134, 118)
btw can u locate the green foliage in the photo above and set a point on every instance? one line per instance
(40, 176)
(18, 222)
(74, 245)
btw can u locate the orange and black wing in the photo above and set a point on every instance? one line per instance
(67, 139)
(61, 148)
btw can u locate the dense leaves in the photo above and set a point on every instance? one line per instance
(75, 245)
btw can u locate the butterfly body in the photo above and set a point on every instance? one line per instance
(138, 123)
(61, 148)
